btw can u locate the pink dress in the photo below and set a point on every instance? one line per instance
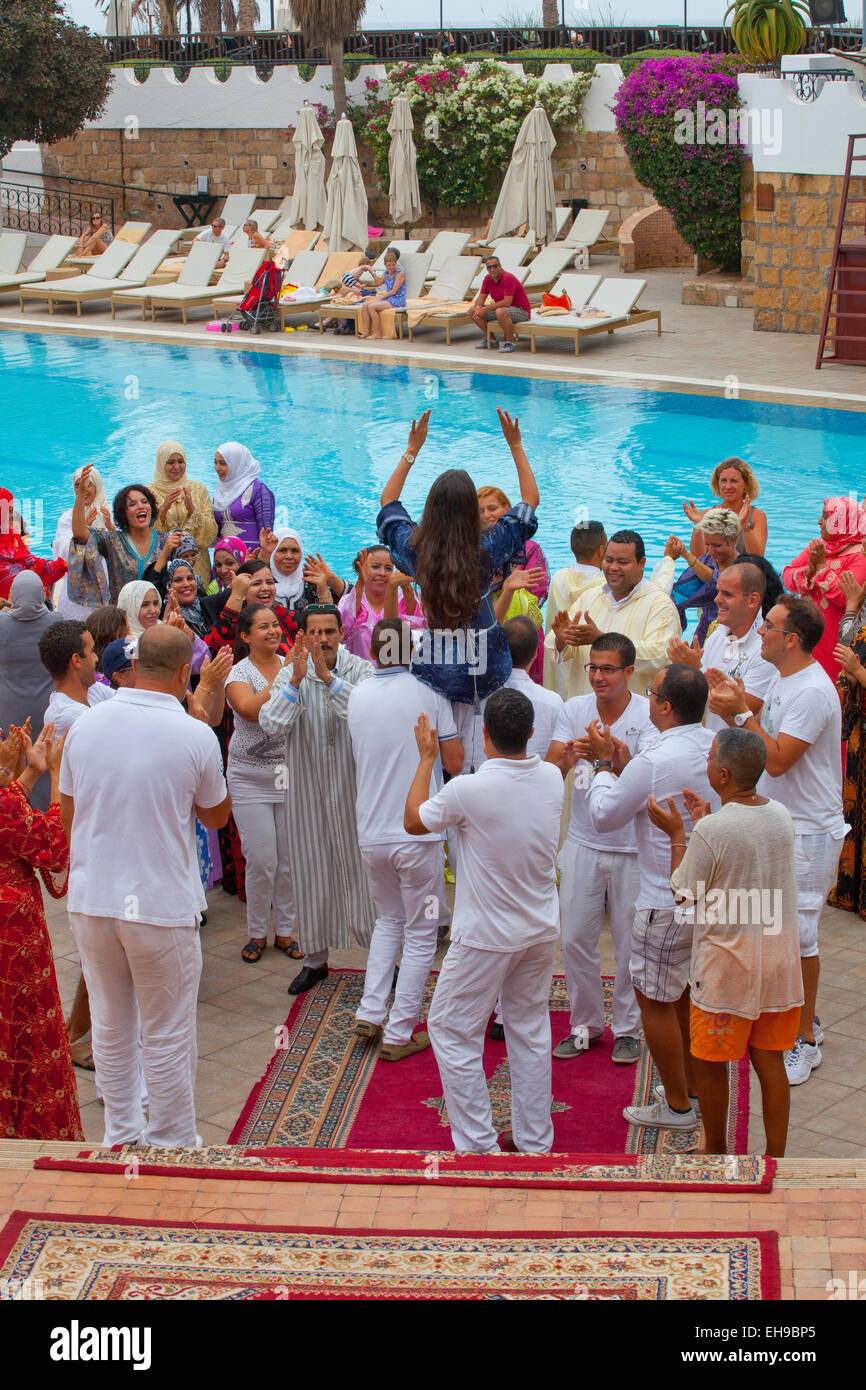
(824, 590)
(358, 627)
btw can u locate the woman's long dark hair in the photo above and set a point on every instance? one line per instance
(449, 567)
(118, 506)
(105, 624)
(246, 618)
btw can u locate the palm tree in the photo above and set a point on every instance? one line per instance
(326, 23)
(549, 14)
(248, 13)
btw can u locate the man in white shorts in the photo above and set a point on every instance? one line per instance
(801, 724)
(506, 923)
(599, 868)
(661, 945)
(405, 872)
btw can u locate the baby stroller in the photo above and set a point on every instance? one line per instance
(258, 308)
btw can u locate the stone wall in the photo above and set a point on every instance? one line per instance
(589, 164)
(793, 245)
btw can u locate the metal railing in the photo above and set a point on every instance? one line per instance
(30, 208)
(267, 50)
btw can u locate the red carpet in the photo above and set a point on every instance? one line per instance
(325, 1089)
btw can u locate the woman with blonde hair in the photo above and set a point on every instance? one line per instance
(183, 505)
(734, 482)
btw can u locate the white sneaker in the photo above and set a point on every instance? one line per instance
(801, 1061)
(819, 1031)
(659, 1116)
(659, 1093)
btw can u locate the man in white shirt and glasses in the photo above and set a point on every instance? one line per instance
(599, 868)
(135, 775)
(661, 944)
(505, 927)
(801, 725)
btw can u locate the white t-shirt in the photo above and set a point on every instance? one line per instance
(63, 712)
(636, 730)
(381, 715)
(209, 235)
(136, 767)
(806, 706)
(508, 817)
(547, 705)
(737, 657)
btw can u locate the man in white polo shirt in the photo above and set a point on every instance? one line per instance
(801, 724)
(135, 775)
(522, 637)
(405, 872)
(67, 652)
(506, 923)
(661, 944)
(598, 867)
(734, 645)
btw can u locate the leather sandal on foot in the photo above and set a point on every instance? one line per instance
(253, 950)
(82, 1053)
(289, 946)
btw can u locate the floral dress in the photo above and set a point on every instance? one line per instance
(38, 1091)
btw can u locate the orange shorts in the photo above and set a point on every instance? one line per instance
(725, 1037)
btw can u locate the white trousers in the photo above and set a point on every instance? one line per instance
(589, 878)
(406, 885)
(264, 836)
(816, 864)
(143, 986)
(469, 982)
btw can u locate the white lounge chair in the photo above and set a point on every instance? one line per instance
(451, 285)
(131, 232)
(579, 288)
(614, 301)
(510, 257)
(235, 280)
(99, 282)
(237, 208)
(560, 220)
(585, 231)
(48, 257)
(414, 265)
(444, 246)
(546, 268)
(12, 247)
(196, 272)
(406, 248)
(266, 218)
(306, 268)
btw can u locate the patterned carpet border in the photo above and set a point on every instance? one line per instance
(127, 1258)
(591, 1172)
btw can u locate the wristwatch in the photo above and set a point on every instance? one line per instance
(410, 458)
(742, 718)
(602, 762)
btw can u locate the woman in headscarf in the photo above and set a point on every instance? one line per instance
(242, 505)
(142, 603)
(815, 573)
(184, 585)
(228, 555)
(97, 515)
(15, 557)
(298, 585)
(131, 550)
(183, 505)
(38, 1091)
(253, 583)
(25, 685)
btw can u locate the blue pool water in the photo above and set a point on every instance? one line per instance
(328, 433)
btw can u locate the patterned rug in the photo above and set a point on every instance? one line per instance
(654, 1172)
(325, 1089)
(81, 1257)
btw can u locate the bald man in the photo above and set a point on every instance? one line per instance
(132, 784)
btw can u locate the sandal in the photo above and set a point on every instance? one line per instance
(253, 950)
(290, 947)
(82, 1053)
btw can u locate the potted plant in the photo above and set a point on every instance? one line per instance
(765, 29)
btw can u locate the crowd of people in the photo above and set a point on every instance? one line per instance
(188, 697)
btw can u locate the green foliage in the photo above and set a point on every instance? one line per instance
(53, 76)
(479, 111)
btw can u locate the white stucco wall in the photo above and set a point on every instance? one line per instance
(802, 137)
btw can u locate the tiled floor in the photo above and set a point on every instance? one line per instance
(821, 1227)
(704, 349)
(241, 1006)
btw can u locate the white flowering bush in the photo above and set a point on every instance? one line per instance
(479, 110)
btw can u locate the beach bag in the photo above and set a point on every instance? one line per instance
(557, 301)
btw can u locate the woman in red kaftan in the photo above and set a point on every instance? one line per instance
(38, 1092)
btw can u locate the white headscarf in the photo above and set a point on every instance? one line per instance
(60, 544)
(27, 596)
(243, 470)
(129, 601)
(289, 586)
(100, 500)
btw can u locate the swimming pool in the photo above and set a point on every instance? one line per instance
(328, 433)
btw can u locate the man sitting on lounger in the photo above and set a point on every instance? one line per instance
(501, 297)
(216, 232)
